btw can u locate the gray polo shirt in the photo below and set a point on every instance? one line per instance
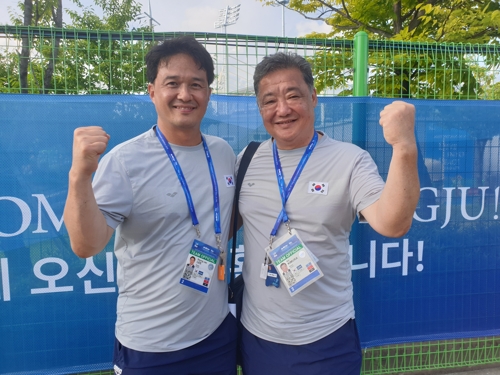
(141, 197)
(323, 221)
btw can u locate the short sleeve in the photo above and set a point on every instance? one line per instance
(366, 184)
(113, 190)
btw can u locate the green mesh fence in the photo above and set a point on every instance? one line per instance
(68, 61)
(60, 61)
(433, 71)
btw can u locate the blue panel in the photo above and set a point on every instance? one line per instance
(439, 281)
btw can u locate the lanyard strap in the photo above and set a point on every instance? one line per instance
(185, 187)
(285, 191)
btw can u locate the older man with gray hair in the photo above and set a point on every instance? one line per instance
(299, 198)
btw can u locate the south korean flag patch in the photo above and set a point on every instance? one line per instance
(229, 180)
(317, 188)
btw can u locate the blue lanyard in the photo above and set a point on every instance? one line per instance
(285, 191)
(185, 187)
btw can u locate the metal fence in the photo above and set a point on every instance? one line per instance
(68, 61)
(60, 61)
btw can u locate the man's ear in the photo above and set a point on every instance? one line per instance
(151, 91)
(314, 97)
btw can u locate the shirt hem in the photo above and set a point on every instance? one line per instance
(129, 343)
(298, 342)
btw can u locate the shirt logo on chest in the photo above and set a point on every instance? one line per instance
(317, 188)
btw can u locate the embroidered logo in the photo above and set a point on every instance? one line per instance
(229, 180)
(172, 194)
(317, 188)
(251, 184)
(118, 371)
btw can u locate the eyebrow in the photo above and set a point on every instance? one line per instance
(196, 79)
(290, 89)
(266, 96)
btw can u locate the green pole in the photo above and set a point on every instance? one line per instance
(360, 88)
(360, 64)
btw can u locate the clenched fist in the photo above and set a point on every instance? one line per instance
(398, 122)
(89, 143)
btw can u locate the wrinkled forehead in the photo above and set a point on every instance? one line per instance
(282, 81)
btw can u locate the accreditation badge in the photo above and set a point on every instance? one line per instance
(200, 266)
(294, 262)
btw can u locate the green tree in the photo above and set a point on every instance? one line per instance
(402, 73)
(472, 21)
(38, 13)
(117, 15)
(105, 65)
(94, 65)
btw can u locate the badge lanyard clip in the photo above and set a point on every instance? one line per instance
(271, 239)
(222, 269)
(197, 229)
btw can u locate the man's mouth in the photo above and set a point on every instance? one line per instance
(286, 122)
(183, 108)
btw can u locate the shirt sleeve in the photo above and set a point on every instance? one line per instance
(113, 190)
(366, 183)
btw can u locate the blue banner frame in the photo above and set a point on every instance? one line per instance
(440, 281)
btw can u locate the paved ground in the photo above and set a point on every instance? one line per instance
(492, 371)
(477, 370)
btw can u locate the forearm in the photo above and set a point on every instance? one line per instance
(86, 225)
(394, 210)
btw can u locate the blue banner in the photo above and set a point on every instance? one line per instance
(440, 281)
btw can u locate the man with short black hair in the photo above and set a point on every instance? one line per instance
(164, 193)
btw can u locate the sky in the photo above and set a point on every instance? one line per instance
(200, 16)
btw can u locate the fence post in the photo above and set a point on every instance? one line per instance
(360, 84)
(360, 88)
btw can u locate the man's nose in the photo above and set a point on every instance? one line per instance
(282, 107)
(184, 93)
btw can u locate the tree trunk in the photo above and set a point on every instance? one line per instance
(398, 22)
(24, 58)
(49, 70)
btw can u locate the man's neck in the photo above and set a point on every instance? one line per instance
(182, 137)
(294, 145)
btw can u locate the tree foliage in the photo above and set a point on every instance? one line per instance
(117, 15)
(38, 13)
(35, 13)
(400, 73)
(52, 65)
(472, 21)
